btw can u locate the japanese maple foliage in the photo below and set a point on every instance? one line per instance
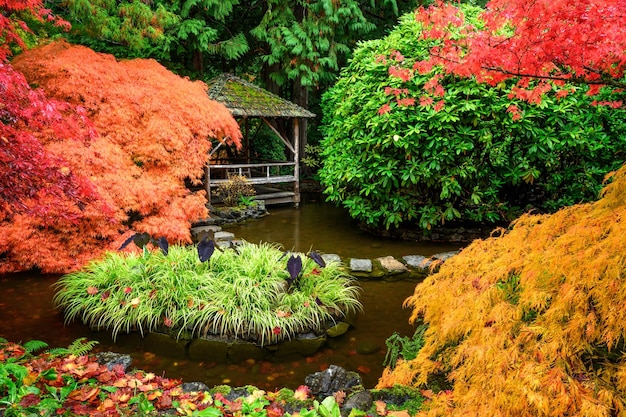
(32, 179)
(12, 25)
(153, 130)
(552, 41)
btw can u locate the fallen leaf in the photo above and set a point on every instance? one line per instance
(302, 393)
(381, 408)
(84, 394)
(340, 397)
(363, 369)
(399, 413)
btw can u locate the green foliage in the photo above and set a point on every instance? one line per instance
(246, 201)
(312, 158)
(126, 28)
(403, 347)
(232, 191)
(239, 293)
(265, 145)
(78, 347)
(403, 152)
(155, 29)
(328, 407)
(33, 346)
(306, 39)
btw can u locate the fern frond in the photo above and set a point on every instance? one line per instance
(81, 346)
(59, 351)
(34, 345)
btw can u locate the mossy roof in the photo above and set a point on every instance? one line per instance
(245, 99)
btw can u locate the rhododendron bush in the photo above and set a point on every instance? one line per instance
(423, 149)
(152, 133)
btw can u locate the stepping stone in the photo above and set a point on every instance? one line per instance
(444, 256)
(199, 232)
(361, 265)
(417, 261)
(331, 257)
(392, 265)
(223, 236)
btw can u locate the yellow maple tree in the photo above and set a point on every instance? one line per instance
(532, 322)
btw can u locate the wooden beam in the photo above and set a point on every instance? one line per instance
(296, 160)
(285, 141)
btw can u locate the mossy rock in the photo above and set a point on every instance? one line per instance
(204, 349)
(338, 329)
(301, 346)
(240, 351)
(165, 345)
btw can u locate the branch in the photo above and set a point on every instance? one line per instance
(605, 78)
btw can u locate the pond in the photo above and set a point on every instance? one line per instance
(328, 229)
(27, 312)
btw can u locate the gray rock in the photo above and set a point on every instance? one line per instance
(444, 256)
(367, 348)
(417, 261)
(361, 265)
(223, 236)
(338, 329)
(165, 345)
(111, 359)
(200, 232)
(331, 257)
(335, 378)
(361, 400)
(194, 387)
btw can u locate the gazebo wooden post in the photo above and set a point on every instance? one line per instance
(296, 160)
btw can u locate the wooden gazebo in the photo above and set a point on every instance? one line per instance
(245, 101)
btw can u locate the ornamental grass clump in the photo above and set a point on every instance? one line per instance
(250, 292)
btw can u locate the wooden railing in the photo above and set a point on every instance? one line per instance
(256, 174)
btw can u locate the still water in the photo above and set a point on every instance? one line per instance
(328, 229)
(27, 311)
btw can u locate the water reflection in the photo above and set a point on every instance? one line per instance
(328, 229)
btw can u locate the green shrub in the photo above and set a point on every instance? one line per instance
(481, 157)
(246, 293)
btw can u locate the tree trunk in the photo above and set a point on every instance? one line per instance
(198, 63)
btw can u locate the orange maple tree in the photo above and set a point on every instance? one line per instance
(152, 135)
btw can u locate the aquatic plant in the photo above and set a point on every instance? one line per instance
(530, 323)
(251, 292)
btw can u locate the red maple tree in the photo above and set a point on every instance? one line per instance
(32, 179)
(152, 129)
(547, 42)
